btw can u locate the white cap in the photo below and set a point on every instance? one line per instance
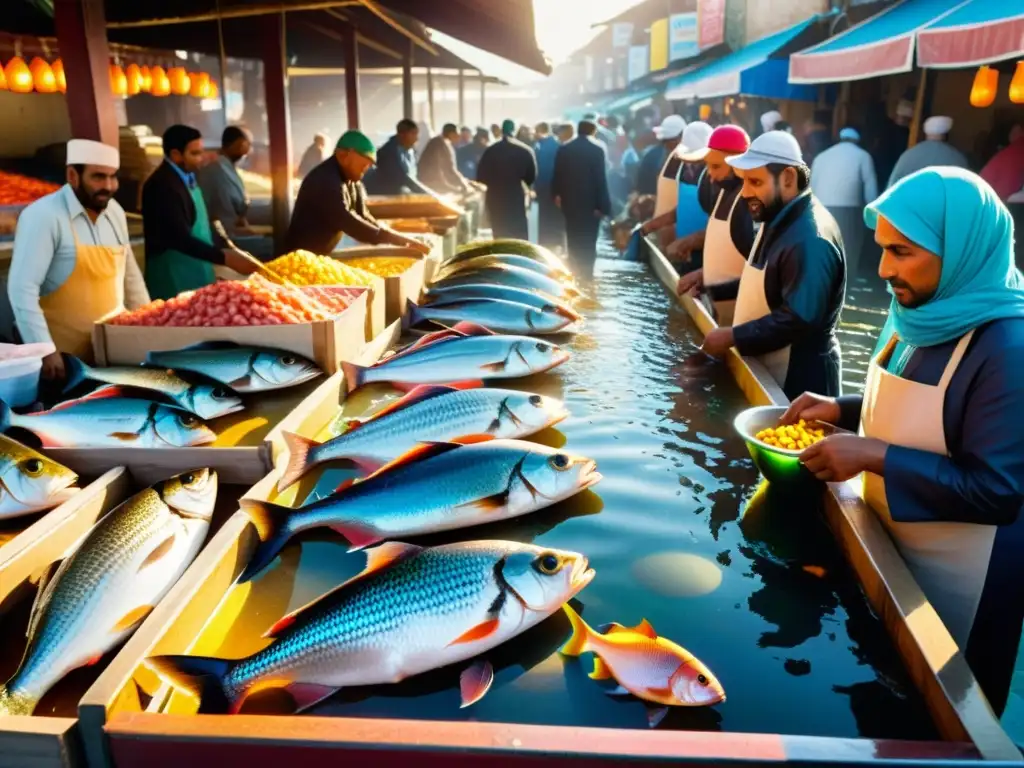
(671, 127)
(849, 134)
(939, 125)
(769, 119)
(695, 137)
(772, 147)
(86, 152)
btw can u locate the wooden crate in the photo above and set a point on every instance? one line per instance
(400, 289)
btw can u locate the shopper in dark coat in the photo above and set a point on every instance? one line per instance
(580, 187)
(508, 168)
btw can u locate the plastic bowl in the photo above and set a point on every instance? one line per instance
(777, 465)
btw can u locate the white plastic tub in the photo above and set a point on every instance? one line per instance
(19, 372)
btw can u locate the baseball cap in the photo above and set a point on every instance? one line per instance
(671, 127)
(508, 127)
(358, 142)
(730, 139)
(772, 147)
(695, 138)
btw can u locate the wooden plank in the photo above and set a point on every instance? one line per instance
(932, 659)
(39, 742)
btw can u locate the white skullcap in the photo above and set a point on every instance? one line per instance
(849, 134)
(769, 119)
(86, 152)
(938, 125)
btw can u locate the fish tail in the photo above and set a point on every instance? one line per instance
(299, 459)
(77, 372)
(355, 375)
(201, 676)
(271, 521)
(413, 315)
(579, 642)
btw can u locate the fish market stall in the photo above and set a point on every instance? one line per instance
(404, 270)
(803, 639)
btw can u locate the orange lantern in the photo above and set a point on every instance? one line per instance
(147, 80)
(118, 80)
(42, 76)
(58, 76)
(133, 75)
(19, 77)
(200, 87)
(986, 84)
(214, 90)
(1017, 84)
(180, 81)
(161, 83)
(3, 80)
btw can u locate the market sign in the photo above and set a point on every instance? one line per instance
(637, 62)
(622, 34)
(682, 37)
(659, 45)
(711, 24)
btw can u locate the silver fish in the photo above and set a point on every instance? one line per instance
(412, 610)
(516, 277)
(102, 421)
(557, 271)
(427, 414)
(104, 589)
(537, 299)
(244, 369)
(206, 401)
(507, 246)
(435, 487)
(496, 315)
(29, 481)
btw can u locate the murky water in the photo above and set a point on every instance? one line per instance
(864, 313)
(678, 533)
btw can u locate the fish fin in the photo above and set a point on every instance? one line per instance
(76, 371)
(385, 555)
(351, 424)
(496, 367)
(271, 523)
(92, 661)
(612, 627)
(471, 439)
(655, 715)
(299, 462)
(417, 394)
(578, 641)
(406, 386)
(618, 691)
(200, 676)
(355, 375)
(469, 328)
(358, 535)
(283, 623)
(45, 578)
(475, 681)
(490, 504)
(125, 437)
(241, 383)
(601, 671)
(814, 570)
(158, 552)
(344, 485)
(133, 617)
(306, 695)
(421, 452)
(644, 628)
(485, 628)
(104, 393)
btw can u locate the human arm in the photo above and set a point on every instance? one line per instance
(35, 243)
(683, 248)
(450, 171)
(135, 292)
(667, 219)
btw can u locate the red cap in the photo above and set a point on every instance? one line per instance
(730, 139)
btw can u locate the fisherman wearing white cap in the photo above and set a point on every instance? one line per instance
(769, 120)
(932, 151)
(72, 261)
(843, 179)
(792, 287)
(651, 178)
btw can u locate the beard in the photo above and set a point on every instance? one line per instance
(765, 213)
(94, 201)
(911, 299)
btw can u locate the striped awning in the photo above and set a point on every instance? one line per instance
(977, 32)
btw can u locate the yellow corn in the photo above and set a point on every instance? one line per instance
(384, 266)
(305, 268)
(793, 437)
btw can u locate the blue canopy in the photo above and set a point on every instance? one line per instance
(627, 100)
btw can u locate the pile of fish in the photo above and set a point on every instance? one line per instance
(166, 402)
(447, 456)
(109, 582)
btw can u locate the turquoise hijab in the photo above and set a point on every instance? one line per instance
(955, 215)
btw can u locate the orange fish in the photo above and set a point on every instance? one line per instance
(647, 666)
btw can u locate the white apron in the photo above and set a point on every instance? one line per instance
(667, 197)
(948, 560)
(722, 262)
(752, 304)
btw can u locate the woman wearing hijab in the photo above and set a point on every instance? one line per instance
(939, 425)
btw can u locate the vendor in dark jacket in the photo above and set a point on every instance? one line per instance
(181, 246)
(332, 203)
(395, 173)
(939, 442)
(791, 292)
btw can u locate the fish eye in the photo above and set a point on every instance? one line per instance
(547, 563)
(188, 478)
(220, 393)
(559, 461)
(702, 679)
(288, 359)
(536, 400)
(187, 420)
(541, 346)
(32, 467)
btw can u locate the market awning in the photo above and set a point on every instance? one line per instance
(627, 100)
(979, 32)
(749, 70)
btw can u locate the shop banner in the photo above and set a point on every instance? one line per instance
(637, 62)
(711, 27)
(622, 34)
(682, 40)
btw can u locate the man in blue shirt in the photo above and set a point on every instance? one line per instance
(395, 173)
(550, 230)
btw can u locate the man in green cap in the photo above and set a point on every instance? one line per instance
(508, 168)
(332, 203)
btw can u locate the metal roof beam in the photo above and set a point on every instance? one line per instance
(235, 13)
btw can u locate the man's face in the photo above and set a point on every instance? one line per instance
(94, 186)
(452, 136)
(353, 165)
(912, 272)
(238, 149)
(409, 138)
(466, 137)
(319, 141)
(766, 195)
(191, 159)
(718, 169)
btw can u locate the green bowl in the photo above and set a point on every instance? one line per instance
(777, 465)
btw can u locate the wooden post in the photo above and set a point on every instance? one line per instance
(915, 125)
(275, 81)
(430, 98)
(82, 37)
(407, 82)
(351, 51)
(483, 98)
(462, 98)
(223, 69)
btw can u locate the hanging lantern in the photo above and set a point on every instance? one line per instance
(19, 77)
(161, 85)
(58, 76)
(214, 90)
(1017, 84)
(147, 80)
(200, 86)
(3, 80)
(180, 81)
(986, 85)
(133, 75)
(118, 80)
(42, 76)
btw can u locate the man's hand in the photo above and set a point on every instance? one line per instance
(240, 262)
(718, 342)
(691, 283)
(682, 249)
(419, 246)
(837, 458)
(812, 407)
(53, 367)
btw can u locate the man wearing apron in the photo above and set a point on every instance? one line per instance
(729, 235)
(72, 263)
(181, 246)
(939, 425)
(792, 287)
